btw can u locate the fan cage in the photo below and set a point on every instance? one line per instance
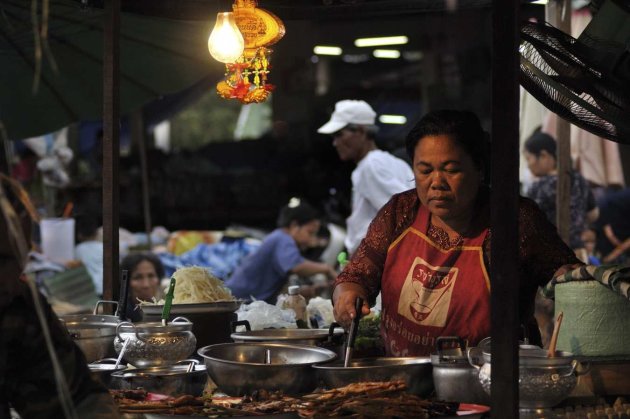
(567, 86)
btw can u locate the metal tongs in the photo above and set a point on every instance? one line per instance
(168, 301)
(354, 327)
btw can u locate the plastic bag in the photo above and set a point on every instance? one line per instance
(261, 315)
(321, 309)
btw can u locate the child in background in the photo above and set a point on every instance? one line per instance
(263, 274)
(589, 238)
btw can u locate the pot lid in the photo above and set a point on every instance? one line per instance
(284, 334)
(156, 327)
(377, 362)
(535, 356)
(215, 307)
(106, 364)
(161, 371)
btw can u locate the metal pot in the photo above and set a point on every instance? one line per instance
(102, 370)
(331, 339)
(415, 371)
(454, 378)
(242, 368)
(173, 380)
(93, 333)
(152, 344)
(211, 321)
(543, 382)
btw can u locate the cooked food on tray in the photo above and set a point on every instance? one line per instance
(371, 399)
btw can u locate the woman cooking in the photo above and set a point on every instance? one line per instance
(428, 249)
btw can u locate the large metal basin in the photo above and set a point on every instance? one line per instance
(415, 371)
(242, 368)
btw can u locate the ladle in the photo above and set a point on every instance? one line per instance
(554, 337)
(354, 328)
(122, 352)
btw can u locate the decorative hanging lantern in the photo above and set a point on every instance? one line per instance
(246, 79)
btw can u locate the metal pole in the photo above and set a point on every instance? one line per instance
(504, 208)
(111, 148)
(137, 134)
(558, 14)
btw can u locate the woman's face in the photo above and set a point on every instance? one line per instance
(447, 180)
(144, 281)
(305, 235)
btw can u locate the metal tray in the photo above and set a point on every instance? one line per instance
(215, 307)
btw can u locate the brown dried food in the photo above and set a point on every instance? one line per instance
(366, 400)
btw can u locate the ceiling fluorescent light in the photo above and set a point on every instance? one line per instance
(386, 53)
(377, 42)
(327, 50)
(540, 2)
(392, 119)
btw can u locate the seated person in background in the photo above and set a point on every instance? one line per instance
(90, 250)
(263, 274)
(613, 238)
(540, 153)
(145, 273)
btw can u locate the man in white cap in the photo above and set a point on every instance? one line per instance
(378, 174)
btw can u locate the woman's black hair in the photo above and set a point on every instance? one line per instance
(539, 142)
(296, 211)
(462, 126)
(132, 260)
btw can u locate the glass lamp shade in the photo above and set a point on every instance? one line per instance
(226, 42)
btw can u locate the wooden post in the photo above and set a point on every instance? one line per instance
(504, 208)
(558, 14)
(111, 147)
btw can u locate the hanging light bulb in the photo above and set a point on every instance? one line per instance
(226, 42)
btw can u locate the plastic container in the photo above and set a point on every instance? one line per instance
(297, 303)
(58, 239)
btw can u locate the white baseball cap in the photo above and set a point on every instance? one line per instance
(349, 112)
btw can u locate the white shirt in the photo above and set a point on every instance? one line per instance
(90, 253)
(377, 177)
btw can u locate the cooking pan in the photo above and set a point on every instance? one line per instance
(415, 371)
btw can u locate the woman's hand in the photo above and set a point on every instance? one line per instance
(344, 297)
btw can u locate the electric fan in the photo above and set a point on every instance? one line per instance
(585, 80)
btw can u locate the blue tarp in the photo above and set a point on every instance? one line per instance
(220, 258)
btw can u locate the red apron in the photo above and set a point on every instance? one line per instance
(429, 292)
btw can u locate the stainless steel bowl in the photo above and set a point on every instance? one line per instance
(242, 368)
(415, 371)
(151, 344)
(543, 382)
(102, 370)
(172, 380)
